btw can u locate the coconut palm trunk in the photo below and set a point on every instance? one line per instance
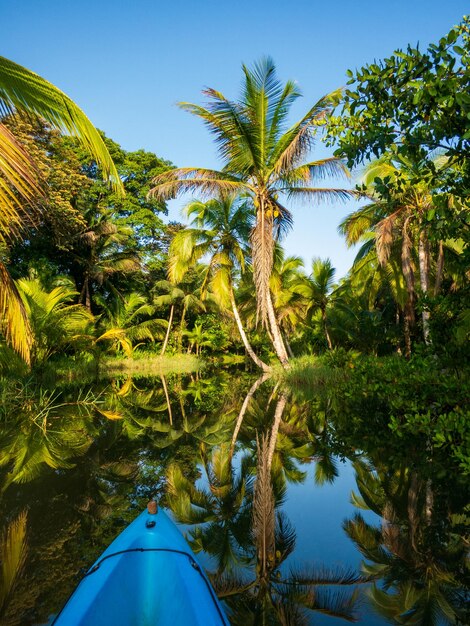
(182, 327)
(167, 335)
(85, 294)
(278, 343)
(288, 346)
(439, 269)
(281, 404)
(167, 397)
(264, 158)
(245, 404)
(325, 328)
(243, 336)
(408, 274)
(423, 256)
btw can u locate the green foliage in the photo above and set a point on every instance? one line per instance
(416, 402)
(23, 90)
(57, 324)
(89, 232)
(413, 103)
(128, 320)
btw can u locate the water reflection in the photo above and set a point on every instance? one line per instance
(416, 554)
(222, 452)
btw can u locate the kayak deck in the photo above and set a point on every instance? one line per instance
(147, 577)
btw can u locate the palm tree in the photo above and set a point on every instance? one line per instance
(271, 597)
(56, 322)
(414, 560)
(224, 505)
(13, 551)
(124, 322)
(402, 199)
(187, 294)
(317, 289)
(373, 293)
(221, 231)
(263, 159)
(198, 338)
(101, 252)
(24, 91)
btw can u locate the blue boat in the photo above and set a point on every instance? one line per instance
(148, 576)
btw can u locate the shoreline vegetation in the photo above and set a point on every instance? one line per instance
(137, 366)
(285, 364)
(94, 283)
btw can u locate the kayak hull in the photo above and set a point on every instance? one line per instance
(148, 576)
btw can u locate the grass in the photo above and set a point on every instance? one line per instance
(150, 366)
(87, 369)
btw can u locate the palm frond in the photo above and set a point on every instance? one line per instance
(14, 319)
(13, 549)
(299, 139)
(19, 185)
(23, 90)
(357, 223)
(384, 238)
(308, 173)
(333, 602)
(319, 195)
(207, 183)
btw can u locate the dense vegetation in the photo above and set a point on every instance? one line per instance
(94, 281)
(130, 277)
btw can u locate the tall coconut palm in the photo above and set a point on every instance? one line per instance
(402, 199)
(264, 159)
(24, 91)
(221, 231)
(269, 595)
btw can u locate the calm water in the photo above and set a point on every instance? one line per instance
(78, 462)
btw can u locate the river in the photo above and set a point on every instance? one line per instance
(356, 530)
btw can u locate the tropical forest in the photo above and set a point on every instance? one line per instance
(306, 428)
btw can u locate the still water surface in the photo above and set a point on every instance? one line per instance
(249, 463)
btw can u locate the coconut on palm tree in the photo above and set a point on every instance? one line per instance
(265, 159)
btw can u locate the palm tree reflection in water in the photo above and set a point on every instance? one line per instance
(102, 451)
(418, 560)
(238, 523)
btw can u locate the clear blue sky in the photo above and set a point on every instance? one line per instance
(127, 64)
